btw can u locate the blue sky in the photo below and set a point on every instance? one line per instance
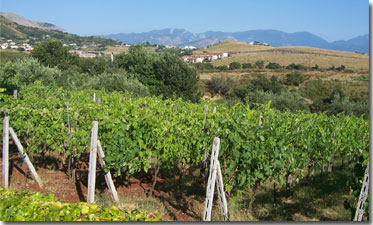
(329, 19)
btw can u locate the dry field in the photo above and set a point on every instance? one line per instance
(246, 53)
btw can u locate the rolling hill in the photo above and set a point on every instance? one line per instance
(245, 53)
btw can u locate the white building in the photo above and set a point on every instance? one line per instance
(189, 47)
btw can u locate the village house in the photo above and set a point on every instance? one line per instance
(82, 54)
(188, 47)
(204, 56)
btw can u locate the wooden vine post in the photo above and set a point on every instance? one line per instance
(359, 214)
(6, 131)
(92, 163)
(6, 150)
(215, 177)
(96, 150)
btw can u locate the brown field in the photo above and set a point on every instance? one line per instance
(245, 53)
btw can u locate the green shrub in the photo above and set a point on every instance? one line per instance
(262, 83)
(220, 85)
(294, 78)
(259, 64)
(274, 66)
(222, 68)
(343, 104)
(27, 71)
(295, 67)
(247, 66)
(234, 66)
(117, 82)
(284, 101)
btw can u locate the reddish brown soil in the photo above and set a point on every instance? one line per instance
(56, 181)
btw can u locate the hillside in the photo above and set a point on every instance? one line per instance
(16, 32)
(246, 53)
(30, 23)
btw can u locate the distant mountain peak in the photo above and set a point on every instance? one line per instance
(179, 37)
(30, 23)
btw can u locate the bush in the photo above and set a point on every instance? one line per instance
(343, 104)
(295, 67)
(259, 64)
(294, 78)
(27, 71)
(234, 65)
(220, 85)
(203, 66)
(247, 66)
(319, 89)
(262, 83)
(274, 66)
(341, 68)
(284, 101)
(222, 68)
(117, 82)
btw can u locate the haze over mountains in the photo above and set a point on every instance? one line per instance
(180, 37)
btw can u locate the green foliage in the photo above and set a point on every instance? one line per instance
(247, 66)
(165, 75)
(117, 82)
(274, 66)
(284, 101)
(34, 206)
(220, 85)
(259, 64)
(53, 54)
(316, 67)
(222, 68)
(294, 78)
(169, 133)
(10, 56)
(295, 67)
(319, 89)
(178, 78)
(343, 104)
(234, 65)
(27, 71)
(203, 66)
(262, 83)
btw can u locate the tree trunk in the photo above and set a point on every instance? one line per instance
(154, 180)
(257, 183)
(274, 194)
(330, 169)
(322, 169)
(342, 162)
(289, 185)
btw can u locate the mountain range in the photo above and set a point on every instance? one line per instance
(181, 37)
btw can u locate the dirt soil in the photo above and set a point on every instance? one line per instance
(55, 180)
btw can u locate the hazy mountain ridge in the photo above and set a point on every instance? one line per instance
(278, 38)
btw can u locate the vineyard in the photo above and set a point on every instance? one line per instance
(150, 134)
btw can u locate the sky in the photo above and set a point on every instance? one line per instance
(329, 19)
